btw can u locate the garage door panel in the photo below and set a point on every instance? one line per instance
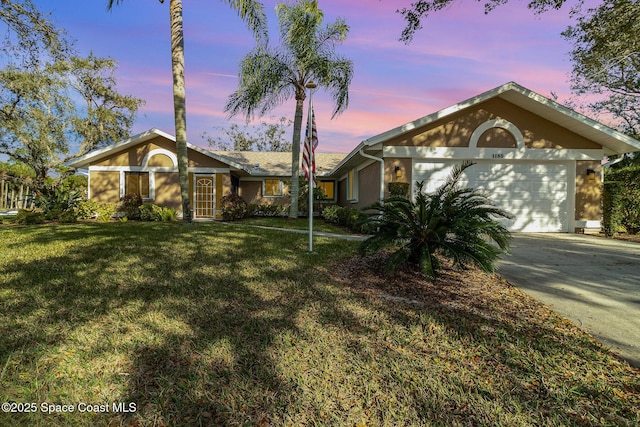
(555, 186)
(535, 193)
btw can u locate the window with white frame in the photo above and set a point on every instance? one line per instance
(137, 183)
(328, 188)
(272, 188)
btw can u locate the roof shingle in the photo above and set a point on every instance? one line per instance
(277, 163)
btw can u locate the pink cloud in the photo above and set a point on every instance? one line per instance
(460, 53)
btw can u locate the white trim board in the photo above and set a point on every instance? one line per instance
(154, 169)
(544, 154)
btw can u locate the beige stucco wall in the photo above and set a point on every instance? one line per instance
(104, 187)
(588, 191)
(456, 130)
(200, 160)
(406, 171)
(167, 190)
(251, 192)
(368, 185)
(134, 156)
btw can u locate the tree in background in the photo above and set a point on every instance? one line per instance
(252, 13)
(17, 171)
(270, 76)
(40, 82)
(30, 35)
(421, 9)
(606, 61)
(265, 137)
(39, 119)
(108, 114)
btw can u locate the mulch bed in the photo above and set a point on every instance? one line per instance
(469, 291)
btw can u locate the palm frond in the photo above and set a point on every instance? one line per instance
(252, 13)
(454, 220)
(264, 82)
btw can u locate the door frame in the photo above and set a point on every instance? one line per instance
(212, 176)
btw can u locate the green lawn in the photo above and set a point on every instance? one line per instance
(219, 324)
(297, 224)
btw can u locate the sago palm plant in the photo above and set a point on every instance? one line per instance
(454, 221)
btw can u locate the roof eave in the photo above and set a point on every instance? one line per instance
(84, 161)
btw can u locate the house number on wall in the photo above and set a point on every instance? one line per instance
(498, 156)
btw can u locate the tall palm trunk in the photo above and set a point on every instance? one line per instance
(295, 152)
(179, 104)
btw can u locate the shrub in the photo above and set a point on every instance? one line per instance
(399, 189)
(234, 207)
(168, 214)
(455, 222)
(303, 198)
(621, 201)
(267, 210)
(58, 202)
(330, 214)
(105, 211)
(28, 217)
(350, 218)
(68, 216)
(130, 205)
(151, 212)
(87, 209)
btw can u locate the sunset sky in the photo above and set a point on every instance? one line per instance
(461, 52)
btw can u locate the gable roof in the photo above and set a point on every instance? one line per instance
(269, 163)
(611, 140)
(100, 153)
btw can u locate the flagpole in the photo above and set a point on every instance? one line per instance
(310, 86)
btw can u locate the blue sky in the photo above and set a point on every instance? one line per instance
(460, 53)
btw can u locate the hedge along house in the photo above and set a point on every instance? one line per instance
(534, 158)
(146, 164)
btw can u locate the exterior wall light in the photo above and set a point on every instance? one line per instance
(591, 174)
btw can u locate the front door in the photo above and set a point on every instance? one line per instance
(205, 196)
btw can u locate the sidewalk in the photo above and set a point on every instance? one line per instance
(354, 237)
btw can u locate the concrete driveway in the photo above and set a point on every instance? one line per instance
(592, 281)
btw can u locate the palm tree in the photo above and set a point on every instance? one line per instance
(454, 221)
(252, 13)
(271, 76)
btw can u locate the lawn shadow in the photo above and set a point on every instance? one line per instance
(189, 325)
(537, 362)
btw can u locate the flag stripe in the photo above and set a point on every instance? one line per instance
(309, 150)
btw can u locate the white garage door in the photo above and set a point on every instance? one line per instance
(535, 193)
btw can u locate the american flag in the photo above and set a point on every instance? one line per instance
(309, 151)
